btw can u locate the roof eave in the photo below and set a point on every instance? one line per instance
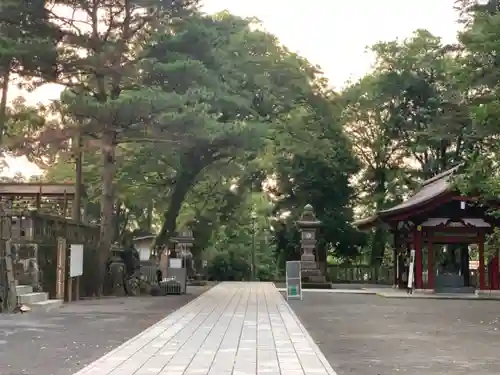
(389, 213)
(367, 223)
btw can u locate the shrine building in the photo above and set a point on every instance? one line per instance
(447, 230)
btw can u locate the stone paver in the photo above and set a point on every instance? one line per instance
(235, 328)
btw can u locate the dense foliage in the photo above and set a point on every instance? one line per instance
(206, 121)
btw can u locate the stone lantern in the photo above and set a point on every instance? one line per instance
(116, 271)
(184, 242)
(308, 225)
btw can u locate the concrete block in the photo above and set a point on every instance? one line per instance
(23, 289)
(46, 306)
(30, 298)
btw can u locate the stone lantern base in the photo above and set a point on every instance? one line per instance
(311, 272)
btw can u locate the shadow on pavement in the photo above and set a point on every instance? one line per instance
(65, 340)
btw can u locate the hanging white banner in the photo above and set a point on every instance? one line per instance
(411, 270)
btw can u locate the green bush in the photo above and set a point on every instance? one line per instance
(227, 267)
(198, 283)
(265, 272)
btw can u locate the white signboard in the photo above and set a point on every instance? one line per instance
(144, 253)
(411, 271)
(76, 260)
(293, 280)
(175, 262)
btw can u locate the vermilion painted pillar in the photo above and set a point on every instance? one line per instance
(417, 242)
(496, 270)
(395, 255)
(482, 283)
(493, 272)
(430, 264)
(395, 267)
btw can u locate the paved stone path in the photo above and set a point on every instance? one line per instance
(234, 328)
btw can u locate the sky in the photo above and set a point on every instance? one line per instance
(331, 33)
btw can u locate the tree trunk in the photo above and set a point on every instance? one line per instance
(108, 149)
(379, 238)
(191, 166)
(3, 100)
(77, 201)
(184, 183)
(149, 219)
(322, 258)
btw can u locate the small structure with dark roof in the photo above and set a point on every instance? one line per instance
(436, 215)
(49, 198)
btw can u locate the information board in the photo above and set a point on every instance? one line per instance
(293, 280)
(76, 260)
(175, 262)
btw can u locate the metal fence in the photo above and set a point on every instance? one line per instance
(148, 272)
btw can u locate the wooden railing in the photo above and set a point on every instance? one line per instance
(365, 274)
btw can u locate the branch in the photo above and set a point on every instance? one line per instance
(147, 140)
(69, 22)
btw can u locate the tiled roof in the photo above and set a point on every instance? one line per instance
(429, 190)
(27, 189)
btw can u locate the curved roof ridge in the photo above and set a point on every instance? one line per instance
(441, 175)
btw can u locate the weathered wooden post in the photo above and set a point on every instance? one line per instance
(61, 267)
(11, 282)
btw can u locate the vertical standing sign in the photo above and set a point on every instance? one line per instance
(76, 260)
(293, 280)
(75, 269)
(411, 270)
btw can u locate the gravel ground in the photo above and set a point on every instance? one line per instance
(371, 335)
(64, 341)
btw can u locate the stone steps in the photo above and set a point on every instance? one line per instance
(46, 306)
(23, 289)
(33, 297)
(36, 301)
(317, 279)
